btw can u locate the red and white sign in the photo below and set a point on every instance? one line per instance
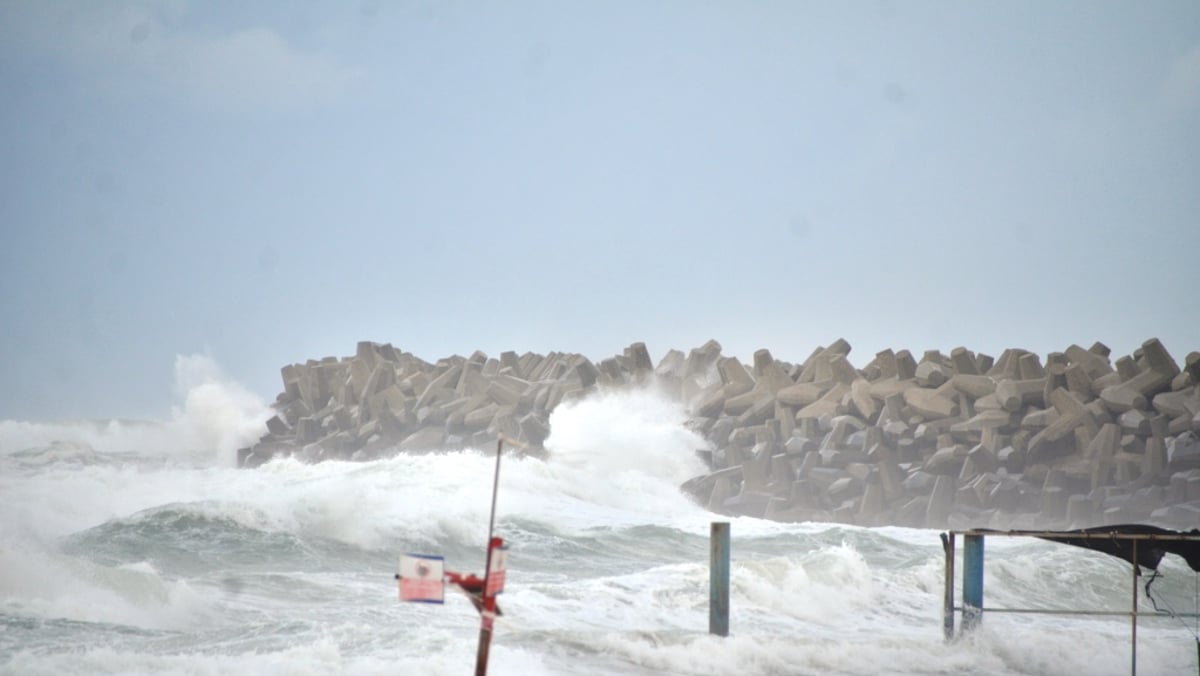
(421, 578)
(495, 581)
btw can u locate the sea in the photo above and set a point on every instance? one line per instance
(134, 547)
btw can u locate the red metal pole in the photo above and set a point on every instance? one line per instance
(487, 615)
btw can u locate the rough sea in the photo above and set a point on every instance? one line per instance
(137, 548)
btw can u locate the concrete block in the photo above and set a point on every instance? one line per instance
(803, 394)
(1177, 487)
(769, 375)
(610, 372)
(1038, 419)
(360, 373)
(1179, 424)
(1126, 369)
(741, 403)
(1150, 382)
(871, 507)
(946, 461)
(840, 369)
(1079, 382)
(983, 458)
(828, 404)
(1178, 403)
(1183, 452)
(1135, 422)
(308, 430)
(973, 386)
(480, 418)
(1183, 381)
(1014, 394)
(891, 477)
(1006, 367)
(1154, 460)
(1030, 367)
(941, 501)
(640, 357)
(800, 446)
(988, 402)
(994, 439)
(906, 366)
(885, 362)
(424, 440)
(1179, 517)
(808, 370)
(587, 373)
(1093, 364)
(932, 374)
(1122, 397)
(963, 361)
(885, 389)
(758, 412)
(712, 402)
(1193, 487)
(701, 361)
(502, 395)
(510, 360)
(844, 488)
(277, 427)
(290, 375)
(1156, 358)
(995, 419)
(929, 404)
(672, 365)
(896, 430)
(732, 371)
(441, 387)
(1068, 406)
(912, 514)
(1079, 512)
(862, 403)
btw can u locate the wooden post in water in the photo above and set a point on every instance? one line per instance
(972, 581)
(718, 580)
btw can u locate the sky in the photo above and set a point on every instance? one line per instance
(270, 182)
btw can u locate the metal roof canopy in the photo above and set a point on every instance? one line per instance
(1135, 543)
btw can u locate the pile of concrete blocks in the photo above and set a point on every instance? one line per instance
(382, 401)
(958, 440)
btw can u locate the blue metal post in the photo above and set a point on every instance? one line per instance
(718, 580)
(948, 592)
(972, 581)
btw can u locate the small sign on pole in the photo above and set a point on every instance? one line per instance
(421, 578)
(499, 562)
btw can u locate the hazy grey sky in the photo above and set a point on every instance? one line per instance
(266, 183)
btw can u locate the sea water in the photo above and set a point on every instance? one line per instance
(139, 548)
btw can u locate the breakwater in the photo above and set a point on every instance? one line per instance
(1076, 438)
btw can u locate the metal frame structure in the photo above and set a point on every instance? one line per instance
(973, 608)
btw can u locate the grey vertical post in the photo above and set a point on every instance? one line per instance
(718, 580)
(948, 601)
(972, 580)
(1133, 613)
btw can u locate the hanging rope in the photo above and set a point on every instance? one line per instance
(1170, 610)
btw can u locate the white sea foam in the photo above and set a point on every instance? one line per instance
(609, 598)
(214, 416)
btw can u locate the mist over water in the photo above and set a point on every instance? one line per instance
(138, 547)
(214, 416)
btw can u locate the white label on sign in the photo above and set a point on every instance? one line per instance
(495, 582)
(421, 578)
